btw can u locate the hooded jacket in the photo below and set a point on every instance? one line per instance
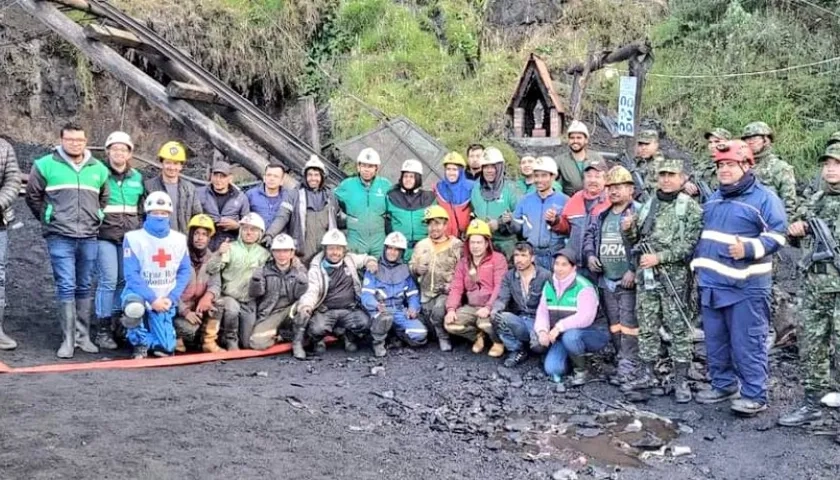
(490, 201)
(67, 201)
(319, 279)
(405, 210)
(394, 284)
(454, 197)
(478, 285)
(199, 279)
(124, 211)
(275, 290)
(236, 268)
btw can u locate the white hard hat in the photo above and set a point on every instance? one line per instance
(283, 242)
(119, 137)
(315, 162)
(368, 156)
(578, 127)
(545, 164)
(334, 237)
(412, 166)
(158, 202)
(396, 240)
(253, 220)
(492, 156)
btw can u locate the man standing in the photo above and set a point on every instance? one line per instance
(705, 170)
(331, 303)
(363, 199)
(406, 204)
(433, 262)
(67, 191)
(494, 199)
(308, 213)
(515, 308)
(571, 162)
(743, 226)
(236, 262)
(9, 188)
(265, 199)
(452, 193)
(173, 156)
(157, 271)
(537, 211)
(224, 203)
(122, 214)
(475, 155)
(276, 287)
(669, 226)
(647, 158)
(609, 257)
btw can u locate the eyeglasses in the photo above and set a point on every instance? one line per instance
(74, 140)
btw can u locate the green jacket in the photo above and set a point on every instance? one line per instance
(364, 206)
(68, 202)
(570, 173)
(492, 210)
(405, 215)
(236, 268)
(124, 211)
(777, 175)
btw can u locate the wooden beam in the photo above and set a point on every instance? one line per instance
(116, 36)
(82, 5)
(191, 91)
(310, 121)
(145, 86)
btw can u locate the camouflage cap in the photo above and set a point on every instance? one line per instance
(599, 165)
(833, 151)
(720, 133)
(647, 136)
(834, 138)
(670, 165)
(757, 129)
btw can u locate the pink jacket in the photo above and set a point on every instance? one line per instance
(482, 288)
(587, 307)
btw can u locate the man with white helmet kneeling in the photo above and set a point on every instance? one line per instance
(392, 298)
(157, 270)
(331, 303)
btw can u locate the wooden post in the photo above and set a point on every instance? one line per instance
(638, 66)
(579, 82)
(310, 121)
(145, 86)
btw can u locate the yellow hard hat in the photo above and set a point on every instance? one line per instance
(479, 227)
(454, 158)
(433, 212)
(174, 151)
(202, 221)
(618, 175)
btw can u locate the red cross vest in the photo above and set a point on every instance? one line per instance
(159, 258)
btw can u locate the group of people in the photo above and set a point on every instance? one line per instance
(571, 256)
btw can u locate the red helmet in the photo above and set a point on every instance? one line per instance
(734, 150)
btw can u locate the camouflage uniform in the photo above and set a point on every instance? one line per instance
(705, 169)
(817, 184)
(674, 233)
(647, 166)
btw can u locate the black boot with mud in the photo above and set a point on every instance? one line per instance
(443, 339)
(515, 358)
(682, 390)
(579, 373)
(104, 335)
(809, 411)
(644, 380)
(68, 329)
(140, 352)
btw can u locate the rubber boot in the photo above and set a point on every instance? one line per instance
(211, 335)
(84, 310)
(350, 346)
(297, 344)
(478, 345)
(443, 339)
(682, 391)
(230, 340)
(104, 335)
(807, 412)
(643, 381)
(179, 346)
(6, 342)
(379, 349)
(67, 310)
(140, 352)
(579, 374)
(118, 329)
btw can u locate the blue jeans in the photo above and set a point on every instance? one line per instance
(73, 263)
(157, 329)
(575, 342)
(111, 280)
(4, 255)
(516, 332)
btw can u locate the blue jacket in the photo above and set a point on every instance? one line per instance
(396, 283)
(263, 205)
(529, 222)
(757, 218)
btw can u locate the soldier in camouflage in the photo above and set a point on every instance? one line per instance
(821, 295)
(817, 183)
(704, 170)
(669, 223)
(647, 157)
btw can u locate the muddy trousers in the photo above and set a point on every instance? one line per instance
(620, 308)
(821, 328)
(156, 331)
(190, 333)
(516, 332)
(410, 330)
(573, 343)
(238, 319)
(353, 323)
(431, 314)
(467, 325)
(266, 329)
(735, 336)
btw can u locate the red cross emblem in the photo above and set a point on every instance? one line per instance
(161, 257)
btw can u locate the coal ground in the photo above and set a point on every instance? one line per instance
(415, 414)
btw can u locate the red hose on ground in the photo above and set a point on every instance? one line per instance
(184, 359)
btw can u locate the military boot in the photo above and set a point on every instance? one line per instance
(104, 334)
(211, 335)
(67, 310)
(297, 344)
(443, 339)
(807, 412)
(682, 391)
(230, 340)
(579, 374)
(6, 342)
(84, 311)
(644, 380)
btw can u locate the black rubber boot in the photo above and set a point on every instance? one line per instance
(104, 335)
(443, 339)
(682, 391)
(230, 340)
(6, 342)
(297, 344)
(84, 312)
(807, 412)
(67, 311)
(579, 373)
(645, 379)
